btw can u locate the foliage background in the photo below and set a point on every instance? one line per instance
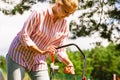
(102, 63)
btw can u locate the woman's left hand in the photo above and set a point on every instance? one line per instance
(69, 70)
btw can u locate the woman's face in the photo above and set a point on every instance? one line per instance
(62, 11)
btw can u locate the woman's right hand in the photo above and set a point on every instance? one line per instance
(51, 49)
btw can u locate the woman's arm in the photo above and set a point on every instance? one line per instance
(69, 66)
(27, 31)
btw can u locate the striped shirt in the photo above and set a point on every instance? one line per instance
(39, 29)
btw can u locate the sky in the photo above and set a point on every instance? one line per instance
(11, 25)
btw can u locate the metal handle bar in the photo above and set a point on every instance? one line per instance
(84, 65)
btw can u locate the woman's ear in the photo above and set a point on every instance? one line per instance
(58, 2)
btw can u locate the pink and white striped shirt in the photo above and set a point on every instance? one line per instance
(40, 30)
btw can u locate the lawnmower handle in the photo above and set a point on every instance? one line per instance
(84, 66)
(73, 45)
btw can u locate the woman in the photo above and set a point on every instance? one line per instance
(43, 31)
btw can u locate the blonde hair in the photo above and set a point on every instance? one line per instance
(72, 4)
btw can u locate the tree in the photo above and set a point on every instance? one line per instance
(105, 62)
(101, 16)
(11, 7)
(102, 62)
(2, 63)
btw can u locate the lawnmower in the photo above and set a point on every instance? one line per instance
(54, 68)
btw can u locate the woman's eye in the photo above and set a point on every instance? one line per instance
(66, 11)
